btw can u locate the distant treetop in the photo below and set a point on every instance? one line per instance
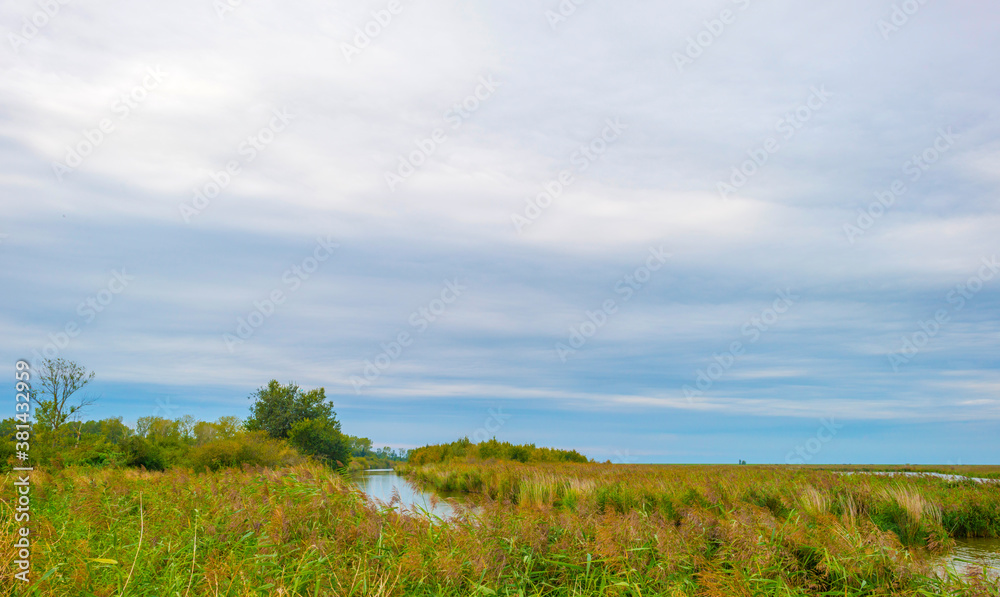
(491, 449)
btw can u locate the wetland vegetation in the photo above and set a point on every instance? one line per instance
(538, 529)
(271, 506)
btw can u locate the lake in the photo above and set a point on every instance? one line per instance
(382, 484)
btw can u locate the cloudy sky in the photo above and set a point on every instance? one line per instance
(655, 232)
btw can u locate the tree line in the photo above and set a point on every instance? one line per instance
(286, 424)
(464, 449)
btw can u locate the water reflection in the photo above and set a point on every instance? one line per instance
(972, 555)
(920, 474)
(379, 484)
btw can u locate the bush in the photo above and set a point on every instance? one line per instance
(255, 448)
(6, 453)
(141, 452)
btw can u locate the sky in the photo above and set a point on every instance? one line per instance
(652, 232)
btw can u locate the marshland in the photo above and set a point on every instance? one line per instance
(284, 502)
(537, 528)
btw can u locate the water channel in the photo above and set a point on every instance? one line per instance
(384, 484)
(973, 555)
(920, 474)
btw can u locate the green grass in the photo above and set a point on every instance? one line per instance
(552, 529)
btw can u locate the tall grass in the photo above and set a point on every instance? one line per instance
(921, 511)
(538, 530)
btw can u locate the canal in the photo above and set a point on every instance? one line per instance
(384, 485)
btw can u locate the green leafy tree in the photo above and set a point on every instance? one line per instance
(277, 408)
(159, 429)
(490, 449)
(321, 438)
(205, 432)
(223, 429)
(360, 446)
(229, 427)
(7, 429)
(114, 431)
(141, 452)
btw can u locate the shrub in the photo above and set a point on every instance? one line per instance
(141, 452)
(255, 448)
(6, 453)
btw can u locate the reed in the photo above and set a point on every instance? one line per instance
(546, 529)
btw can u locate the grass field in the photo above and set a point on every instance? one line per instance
(552, 529)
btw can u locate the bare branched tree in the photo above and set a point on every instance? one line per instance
(56, 382)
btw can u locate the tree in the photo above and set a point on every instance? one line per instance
(114, 431)
(185, 427)
(205, 432)
(319, 437)
(57, 381)
(158, 428)
(228, 427)
(360, 446)
(225, 428)
(8, 427)
(277, 408)
(141, 452)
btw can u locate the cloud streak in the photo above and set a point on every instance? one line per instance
(535, 157)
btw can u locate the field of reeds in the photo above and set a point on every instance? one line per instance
(546, 529)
